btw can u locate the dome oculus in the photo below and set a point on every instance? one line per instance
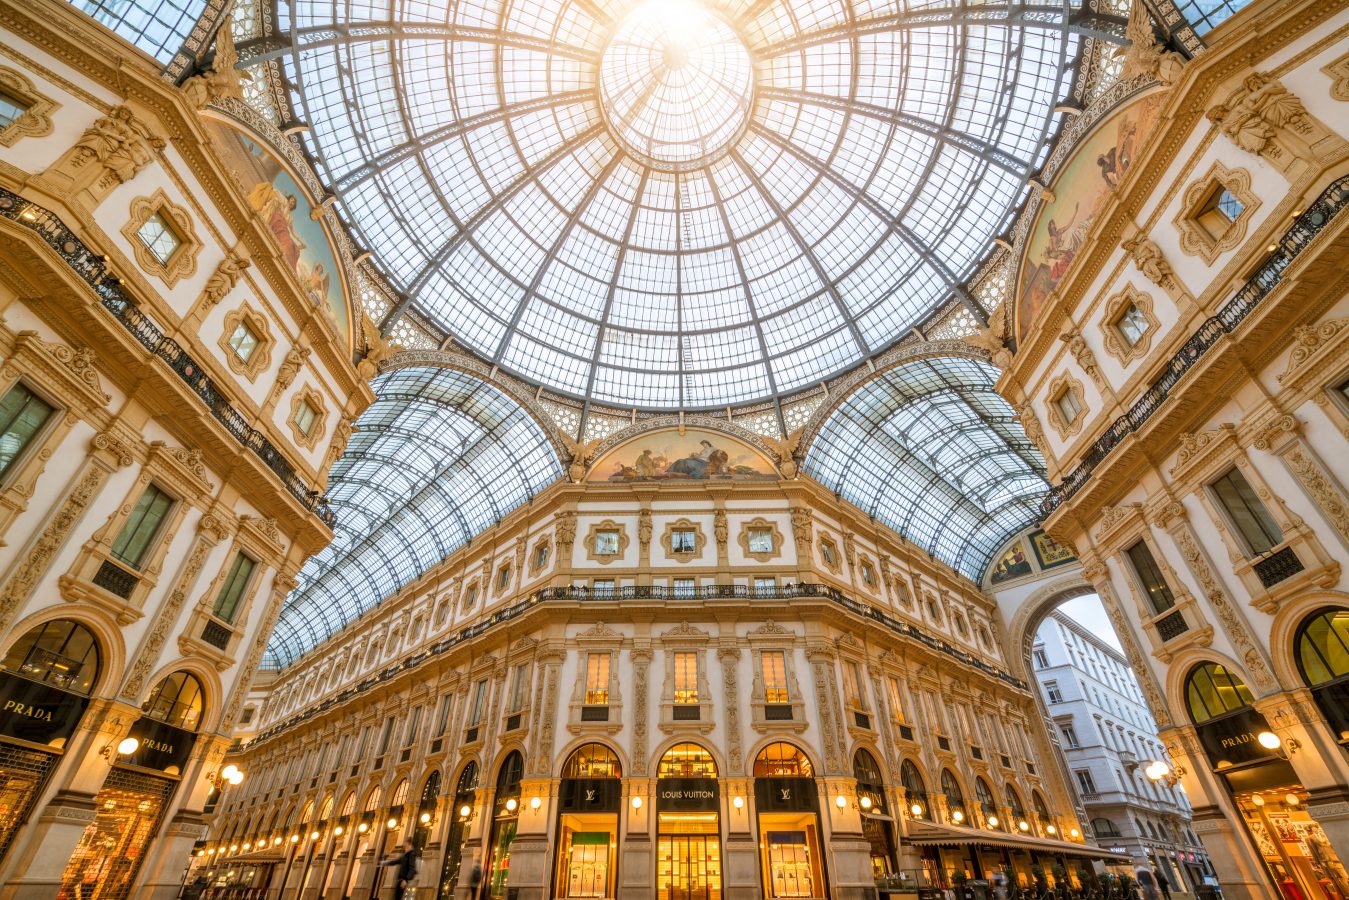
(676, 85)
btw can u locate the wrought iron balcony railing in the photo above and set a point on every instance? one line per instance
(94, 270)
(629, 594)
(1270, 274)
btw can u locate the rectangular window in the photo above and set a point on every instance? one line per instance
(232, 590)
(868, 575)
(852, 683)
(1069, 736)
(1131, 324)
(1150, 577)
(685, 540)
(387, 737)
(479, 702)
(774, 663)
(22, 414)
(1069, 406)
(603, 586)
(139, 531)
(1052, 692)
(414, 723)
(1085, 782)
(896, 698)
(684, 587)
(541, 556)
(471, 595)
(243, 342)
(519, 687)
(829, 554)
(1041, 660)
(606, 543)
(305, 417)
(765, 587)
(503, 578)
(1252, 520)
(686, 677)
(159, 237)
(597, 679)
(760, 540)
(11, 108)
(1219, 212)
(443, 715)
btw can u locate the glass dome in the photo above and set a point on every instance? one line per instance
(675, 203)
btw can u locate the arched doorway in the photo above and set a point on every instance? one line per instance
(53, 666)
(877, 825)
(505, 817)
(1321, 648)
(688, 825)
(130, 804)
(589, 800)
(460, 811)
(787, 803)
(1263, 785)
(988, 807)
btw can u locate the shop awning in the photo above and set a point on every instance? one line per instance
(927, 834)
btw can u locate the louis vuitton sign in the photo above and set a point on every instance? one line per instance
(786, 795)
(687, 795)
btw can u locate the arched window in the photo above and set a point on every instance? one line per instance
(468, 779)
(1104, 828)
(866, 770)
(398, 797)
(915, 790)
(687, 761)
(1041, 809)
(430, 791)
(508, 779)
(782, 760)
(1212, 691)
(60, 653)
(955, 797)
(984, 794)
(1014, 804)
(592, 761)
(1322, 648)
(177, 701)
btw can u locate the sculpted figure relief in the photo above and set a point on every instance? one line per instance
(121, 143)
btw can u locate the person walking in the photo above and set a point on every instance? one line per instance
(1164, 883)
(475, 882)
(406, 871)
(1147, 881)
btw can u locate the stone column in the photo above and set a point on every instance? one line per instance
(530, 871)
(848, 854)
(637, 849)
(740, 859)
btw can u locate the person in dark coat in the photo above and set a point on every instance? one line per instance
(1164, 883)
(407, 869)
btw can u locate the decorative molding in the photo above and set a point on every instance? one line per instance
(1309, 341)
(315, 400)
(684, 633)
(120, 142)
(182, 263)
(148, 654)
(1114, 341)
(754, 524)
(1338, 72)
(1061, 384)
(223, 280)
(1195, 239)
(1265, 118)
(256, 322)
(836, 565)
(592, 536)
(699, 539)
(36, 118)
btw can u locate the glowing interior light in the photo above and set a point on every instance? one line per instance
(465, 810)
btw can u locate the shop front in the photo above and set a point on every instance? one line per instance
(1245, 757)
(688, 829)
(877, 823)
(505, 818)
(460, 810)
(791, 844)
(129, 808)
(45, 681)
(590, 798)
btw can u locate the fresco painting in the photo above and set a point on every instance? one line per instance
(1081, 193)
(273, 194)
(695, 455)
(1014, 563)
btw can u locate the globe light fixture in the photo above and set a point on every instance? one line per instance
(916, 809)
(1269, 740)
(511, 805)
(957, 816)
(738, 802)
(840, 801)
(992, 821)
(636, 802)
(535, 803)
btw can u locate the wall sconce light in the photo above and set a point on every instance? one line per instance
(425, 818)
(392, 823)
(234, 848)
(1050, 829)
(125, 747)
(276, 840)
(465, 811)
(636, 802)
(916, 809)
(738, 802)
(294, 838)
(840, 801)
(1023, 825)
(1283, 749)
(992, 821)
(313, 835)
(1075, 833)
(864, 802)
(362, 828)
(1159, 771)
(231, 774)
(535, 803)
(957, 816)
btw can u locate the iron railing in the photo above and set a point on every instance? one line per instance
(94, 270)
(625, 594)
(1277, 567)
(1270, 274)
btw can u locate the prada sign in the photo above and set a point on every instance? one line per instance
(687, 795)
(579, 795)
(36, 712)
(786, 795)
(162, 747)
(1231, 739)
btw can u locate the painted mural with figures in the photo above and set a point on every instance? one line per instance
(693, 455)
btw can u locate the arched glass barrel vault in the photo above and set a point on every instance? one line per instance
(436, 459)
(930, 449)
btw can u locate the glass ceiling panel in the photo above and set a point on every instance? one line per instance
(930, 449)
(158, 27)
(677, 202)
(436, 459)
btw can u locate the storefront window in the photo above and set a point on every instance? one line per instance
(110, 851)
(688, 839)
(589, 800)
(955, 798)
(1292, 844)
(505, 817)
(454, 838)
(60, 653)
(875, 822)
(787, 801)
(1322, 647)
(915, 791)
